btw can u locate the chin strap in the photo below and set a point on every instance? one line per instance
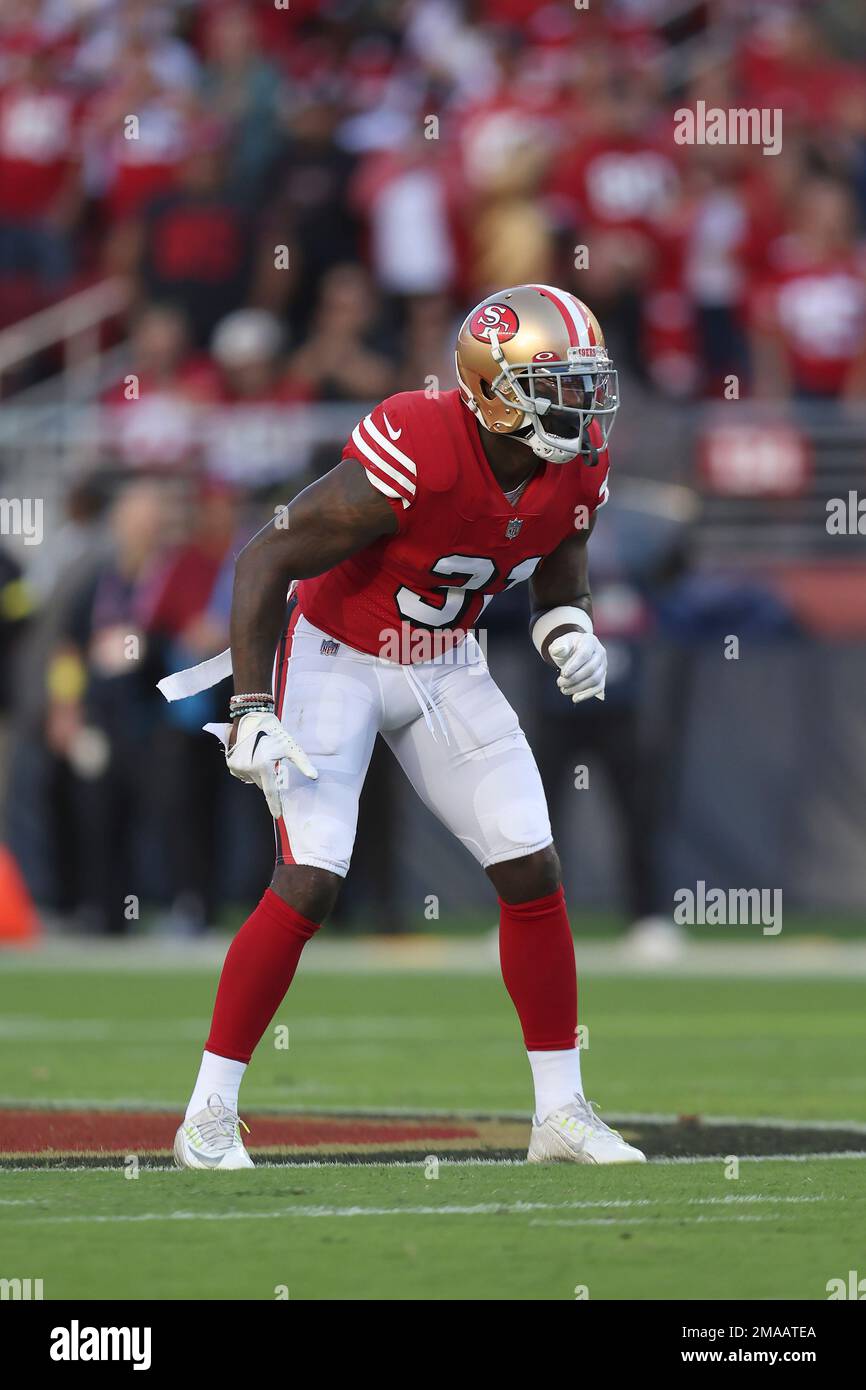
(543, 450)
(526, 435)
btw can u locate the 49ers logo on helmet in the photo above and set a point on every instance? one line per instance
(491, 318)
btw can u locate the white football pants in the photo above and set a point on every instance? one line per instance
(453, 732)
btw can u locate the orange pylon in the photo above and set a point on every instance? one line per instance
(19, 922)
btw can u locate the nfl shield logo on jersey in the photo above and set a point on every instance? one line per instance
(513, 528)
(329, 647)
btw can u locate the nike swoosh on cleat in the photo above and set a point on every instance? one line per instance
(202, 1158)
(395, 434)
(208, 1161)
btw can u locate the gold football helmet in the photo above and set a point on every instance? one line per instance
(531, 363)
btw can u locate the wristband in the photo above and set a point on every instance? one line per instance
(553, 618)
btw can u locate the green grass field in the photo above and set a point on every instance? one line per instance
(787, 1048)
(487, 1232)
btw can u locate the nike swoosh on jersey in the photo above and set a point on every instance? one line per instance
(395, 434)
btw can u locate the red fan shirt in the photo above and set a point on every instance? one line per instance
(819, 311)
(39, 128)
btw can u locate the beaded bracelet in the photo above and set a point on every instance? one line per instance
(251, 709)
(256, 703)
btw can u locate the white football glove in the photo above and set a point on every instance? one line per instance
(582, 662)
(260, 744)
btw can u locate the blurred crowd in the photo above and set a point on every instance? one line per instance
(409, 156)
(304, 199)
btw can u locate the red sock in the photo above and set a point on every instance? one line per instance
(257, 971)
(537, 956)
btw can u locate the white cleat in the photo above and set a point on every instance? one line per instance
(211, 1139)
(575, 1134)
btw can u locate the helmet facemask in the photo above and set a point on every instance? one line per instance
(559, 399)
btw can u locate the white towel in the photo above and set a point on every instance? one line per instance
(197, 678)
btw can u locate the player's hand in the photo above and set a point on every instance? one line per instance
(582, 662)
(259, 744)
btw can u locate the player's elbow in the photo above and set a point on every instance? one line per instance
(261, 562)
(278, 555)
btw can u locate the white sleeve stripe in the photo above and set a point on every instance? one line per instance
(402, 489)
(370, 453)
(383, 487)
(386, 444)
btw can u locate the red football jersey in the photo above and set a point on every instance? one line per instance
(459, 540)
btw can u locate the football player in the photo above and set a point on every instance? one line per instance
(389, 561)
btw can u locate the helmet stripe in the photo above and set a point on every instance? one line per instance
(578, 330)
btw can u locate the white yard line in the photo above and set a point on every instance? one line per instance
(358, 1028)
(803, 957)
(518, 1208)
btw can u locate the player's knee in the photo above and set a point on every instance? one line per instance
(310, 891)
(530, 877)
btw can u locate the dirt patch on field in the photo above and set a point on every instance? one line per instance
(66, 1137)
(54, 1136)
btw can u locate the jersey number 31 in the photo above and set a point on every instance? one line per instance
(473, 573)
